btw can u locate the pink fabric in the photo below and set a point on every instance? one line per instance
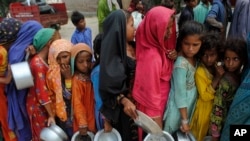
(153, 68)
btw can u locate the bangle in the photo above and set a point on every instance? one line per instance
(119, 98)
(184, 121)
(68, 83)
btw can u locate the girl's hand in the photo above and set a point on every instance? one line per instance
(172, 54)
(65, 71)
(185, 128)
(219, 71)
(107, 126)
(83, 130)
(51, 120)
(129, 108)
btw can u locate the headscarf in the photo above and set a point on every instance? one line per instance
(75, 50)
(24, 39)
(53, 76)
(3, 60)
(150, 43)
(17, 114)
(9, 28)
(42, 37)
(113, 63)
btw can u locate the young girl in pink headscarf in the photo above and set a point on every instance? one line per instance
(154, 62)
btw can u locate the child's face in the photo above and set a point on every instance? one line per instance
(190, 45)
(63, 58)
(83, 62)
(210, 57)
(232, 61)
(130, 29)
(81, 25)
(169, 29)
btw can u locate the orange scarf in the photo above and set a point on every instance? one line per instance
(3, 60)
(53, 77)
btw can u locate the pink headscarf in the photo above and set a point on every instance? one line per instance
(53, 77)
(153, 68)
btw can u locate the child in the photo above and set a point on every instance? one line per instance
(82, 89)
(95, 73)
(8, 135)
(183, 92)
(219, 16)
(138, 13)
(201, 11)
(234, 58)
(58, 80)
(39, 104)
(187, 14)
(207, 77)
(155, 59)
(116, 62)
(82, 34)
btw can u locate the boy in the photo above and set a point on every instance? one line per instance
(82, 34)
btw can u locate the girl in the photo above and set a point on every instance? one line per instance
(155, 58)
(239, 112)
(58, 80)
(38, 104)
(8, 135)
(117, 62)
(234, 58)
(207, 77)
(95, 73)
(82, 89)
(183, 90)
(17, 112)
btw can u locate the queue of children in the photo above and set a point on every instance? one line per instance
(194, 86)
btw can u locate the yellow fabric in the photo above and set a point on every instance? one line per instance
(53, 77)
(3, 60)
(201, 117)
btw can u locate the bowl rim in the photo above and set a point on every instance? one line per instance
(102, 131)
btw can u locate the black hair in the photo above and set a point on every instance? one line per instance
(97, 48)
(168, 3)
(239, 46)
(187, 29)
(76, 17)
(210, 41)
(188, 1)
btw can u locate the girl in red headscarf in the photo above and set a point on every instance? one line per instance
(154, 64)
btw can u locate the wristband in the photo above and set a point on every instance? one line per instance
(184, 121)
(119, 98)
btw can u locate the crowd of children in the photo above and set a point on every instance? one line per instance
(195, 80)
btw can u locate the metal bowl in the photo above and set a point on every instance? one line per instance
(22, 75)
(74, 137)
(180, 136)
(110, 136)
(53, 133)
(164, 137)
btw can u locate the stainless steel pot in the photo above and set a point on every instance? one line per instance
(53, 133)
(164, 137)
(110, 136)
(180, 136)
(22, 74)
(74, 137)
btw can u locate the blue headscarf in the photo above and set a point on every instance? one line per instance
(17, 115)
(239, 112)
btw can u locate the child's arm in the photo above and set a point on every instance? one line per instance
(7, 78)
